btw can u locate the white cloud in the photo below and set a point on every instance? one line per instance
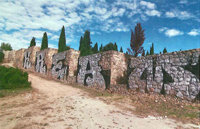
(54, 37)
(153, 13)
(179, 14)
(148, 4)
(173, 32)
(183, 1)
(21, 20)
(170, 32)
(162, 29)
(194, 32)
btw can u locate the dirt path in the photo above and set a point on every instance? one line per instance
(53, 105)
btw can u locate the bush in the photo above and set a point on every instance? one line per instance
(110, 46)
(6, 46)
(1, 56)
(11, 78)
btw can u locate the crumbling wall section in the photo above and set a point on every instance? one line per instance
(171, 73)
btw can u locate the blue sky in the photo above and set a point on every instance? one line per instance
(174, 24)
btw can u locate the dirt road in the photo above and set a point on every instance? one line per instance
(53, 105)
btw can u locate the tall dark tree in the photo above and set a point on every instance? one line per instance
(147, 53)
(1, 55)
(137, 40)
(121, 49)
(164, 50)
(86, 48)
(62, 41)
(95, 48)
(32, 43)
(6, 46)
(152, 49)
(81, 43)
(115, 47)
(101, 48)
(143, 53)
(44, 44)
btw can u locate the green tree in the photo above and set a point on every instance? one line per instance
(115, 47)
(6, 46)
(1, 55)
(164, 50)
(86, 48)
(147, 53)
(110, 46)
(95, 48)
(81, 43)
(62, 41)
(44, 44)
(137, 40)
(101, 48)
(32, 43)
(121, 49)
(152, 49)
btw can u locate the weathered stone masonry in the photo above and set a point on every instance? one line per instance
(102, 69)
(166, 72)
(64, 65)
(170, 73)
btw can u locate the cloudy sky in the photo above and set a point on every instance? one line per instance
(174, 24)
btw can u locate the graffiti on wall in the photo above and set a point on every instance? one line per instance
(90, 72)
(27, 62)
(40, 65)
(59, 69)
(164, 75)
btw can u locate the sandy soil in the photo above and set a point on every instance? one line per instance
(53, 105)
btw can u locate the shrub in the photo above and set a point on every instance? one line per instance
(12, 78)
(6, 46)
(1, 56)
(110, 46)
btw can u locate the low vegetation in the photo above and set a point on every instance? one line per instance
(1, 55)
(150, 104)
(13, 80)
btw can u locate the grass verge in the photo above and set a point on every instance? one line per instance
(13, 81)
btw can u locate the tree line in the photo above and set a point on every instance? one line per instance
(86, 48)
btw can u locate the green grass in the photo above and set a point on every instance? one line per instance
(13, 81)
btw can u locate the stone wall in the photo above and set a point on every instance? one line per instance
(29, 59)
(19, 56)
(44, 60)
(174, 73)
(64, 65)
(102, 69)
(166, 73)
(9, 56)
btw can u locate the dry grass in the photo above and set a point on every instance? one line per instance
(150, 104)
(4, 93)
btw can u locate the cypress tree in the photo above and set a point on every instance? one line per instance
(81, 43)
(121, 50)
(32, 43)
(101, 48)
(147, 53)
(62, 41)
(44, 44)
(164, 50)
(152, 49)
(115, 47)
(95, 48)
(86, 48)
